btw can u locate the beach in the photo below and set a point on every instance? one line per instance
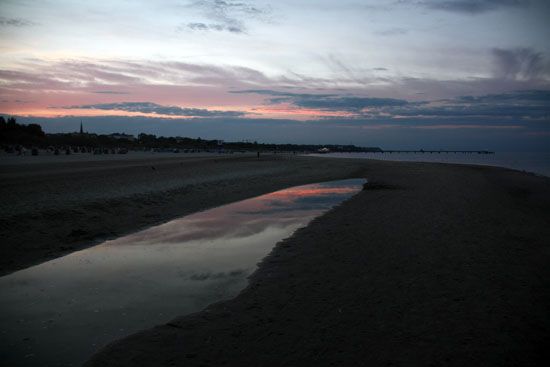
(53, 205)
(431, 264)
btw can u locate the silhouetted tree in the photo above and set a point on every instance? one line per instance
(32, 136)
(35, 129)
(12, 122)
(14, 133)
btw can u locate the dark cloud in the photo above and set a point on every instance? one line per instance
(15, 22)
(220, 275)
(269, 92)
(479, 110)
(392, 32)
(198, 26)
(472, 6)
(517, 97)
(109, 92)
(227, 15)
(520, 105)
(519, 63)
(213, 27)
(150, 107)
(18, 101)
(331, 102)
(346, 103)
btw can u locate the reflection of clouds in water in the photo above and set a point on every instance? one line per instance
(290, 212)
(277, 203)
(306, 198)
(235, 226)
(208, 275)
(248, 217)
(320, 201)
(290, 195)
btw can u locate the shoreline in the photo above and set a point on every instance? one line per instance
(437, 263)
(528, 162)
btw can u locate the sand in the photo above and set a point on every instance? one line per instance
(433, 264)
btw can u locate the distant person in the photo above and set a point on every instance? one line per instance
(258, 155)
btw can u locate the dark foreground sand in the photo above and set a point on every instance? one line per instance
(434, 265)
(54, 205)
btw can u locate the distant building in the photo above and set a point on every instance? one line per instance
(123, 136)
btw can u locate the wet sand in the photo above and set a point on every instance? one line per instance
(433, 264)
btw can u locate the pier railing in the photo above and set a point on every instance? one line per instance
(437, 151)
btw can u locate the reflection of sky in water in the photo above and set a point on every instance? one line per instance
(58, 313)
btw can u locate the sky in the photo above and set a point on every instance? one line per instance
(404, 74)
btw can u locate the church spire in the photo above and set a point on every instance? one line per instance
(81, 130)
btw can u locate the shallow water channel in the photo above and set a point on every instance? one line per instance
(60, 312)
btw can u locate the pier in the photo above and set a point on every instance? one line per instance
(437, 151)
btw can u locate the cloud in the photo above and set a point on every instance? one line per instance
(522, 97)
(330, 102)
(198, 26)
(109, 92)
(269, 92)
(106, 75)
(212, 27)
(220, 275)
(70, 82)
(15, 22)
(519, 64)
(227, 15)
(346, 103)
(392, 32)
(485, 109)
(472, 6)
(519, 105)
(153, 108)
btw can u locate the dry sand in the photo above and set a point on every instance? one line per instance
(433, 265)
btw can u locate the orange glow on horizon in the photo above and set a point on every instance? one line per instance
(298, 113)
(303, 114)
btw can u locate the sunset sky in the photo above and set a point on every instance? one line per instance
(397, 74)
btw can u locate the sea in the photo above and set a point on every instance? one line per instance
(533, 162)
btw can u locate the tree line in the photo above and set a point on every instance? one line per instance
(32, 136)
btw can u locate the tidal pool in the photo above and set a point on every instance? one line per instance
(60, 312)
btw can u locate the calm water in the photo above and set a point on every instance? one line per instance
(538, 163)
(59, 312)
